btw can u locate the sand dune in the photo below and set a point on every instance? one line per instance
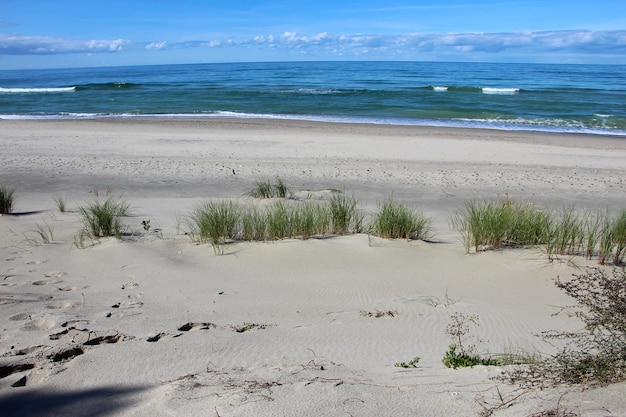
(154, 324)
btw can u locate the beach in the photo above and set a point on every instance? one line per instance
(155, 324)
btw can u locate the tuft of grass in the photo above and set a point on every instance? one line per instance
(44, 234)
(617, 234)
(104, 218)
(216, 223)
(61, 203)
(253, 225)
(344, 214)
(395, 220)
(6, 199)
(267, 189)
(492, 224)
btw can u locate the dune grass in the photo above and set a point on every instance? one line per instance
(492, 224)
(104, 218)
(61, 203)
(219, 223)
(488, 225)
(396, 220)
(216, 223)
(345, 216)
(268, 189)
(6, 199)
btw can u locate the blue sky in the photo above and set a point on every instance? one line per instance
(77, 33)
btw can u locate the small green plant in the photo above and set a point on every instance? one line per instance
(61, 203)
(453, 359)
(395, 220)
(6, 199)
(146, 225)
(462, 353)
(410, 364)
(104, 218)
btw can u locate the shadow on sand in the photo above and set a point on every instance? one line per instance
(47, 403)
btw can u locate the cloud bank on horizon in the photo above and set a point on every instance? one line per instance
(260, 33)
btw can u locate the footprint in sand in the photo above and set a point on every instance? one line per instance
(163, 336)
(60, 305)
(43, 282)
(86, 337)
(67, 288)
(196, 326)
(20, 316)
(54, 274)
(246, 327)
(128, 304)
(39, 324)
(35, 262)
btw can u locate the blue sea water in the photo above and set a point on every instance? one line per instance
(539, 97)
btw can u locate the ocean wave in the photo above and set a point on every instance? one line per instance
(501, 91)
(116, 85)
(317, 91)
(469, 89)
(37, 90)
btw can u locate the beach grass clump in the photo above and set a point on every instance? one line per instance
(6, 199)
(287, 220)
(268, 189)
(613, 240)
(396, 220)
(104, 218)
(311, 219)
(566, 235)
(216, 223)
(345, 217)
(493, 223)
(279, 218)
(253, 224)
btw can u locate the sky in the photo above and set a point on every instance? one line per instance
(84, 33)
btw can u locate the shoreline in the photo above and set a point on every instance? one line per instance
(303, 122)
(289, 327)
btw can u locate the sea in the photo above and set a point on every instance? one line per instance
(585, 99)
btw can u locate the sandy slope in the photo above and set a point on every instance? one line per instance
(156, 325)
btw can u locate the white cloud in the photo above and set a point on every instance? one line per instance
(326, 45)
(156, 45)
(44, 45)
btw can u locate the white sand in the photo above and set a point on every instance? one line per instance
(309, 347)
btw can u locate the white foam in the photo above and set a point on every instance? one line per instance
(37, 90)
(440, 88)
(503, 91)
